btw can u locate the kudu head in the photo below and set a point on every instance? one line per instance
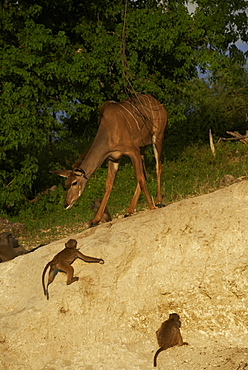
(75, 184)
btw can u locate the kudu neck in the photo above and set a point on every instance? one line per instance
(97, 153)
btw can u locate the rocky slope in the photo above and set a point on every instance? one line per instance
(189, 257)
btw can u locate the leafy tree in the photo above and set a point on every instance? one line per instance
(219, 104)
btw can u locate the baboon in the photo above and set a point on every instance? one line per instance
(168, 335)
(62, 261)
(106, 215)
(10, 247)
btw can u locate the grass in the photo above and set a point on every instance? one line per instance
(194, 172)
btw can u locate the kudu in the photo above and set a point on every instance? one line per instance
(126, 128)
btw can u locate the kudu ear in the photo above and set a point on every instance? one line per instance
(62, 173)
(79, 172)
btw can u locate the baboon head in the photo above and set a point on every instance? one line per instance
(71, 244)
(95, 204)
(6, 238)
(175, 317)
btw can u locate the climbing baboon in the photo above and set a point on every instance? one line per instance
(106, 215)
(168, 335)
(9, 247)
(62, 261)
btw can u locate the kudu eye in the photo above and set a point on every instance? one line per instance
(74, 183)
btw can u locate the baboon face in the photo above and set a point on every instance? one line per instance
(9, 247)
(8, 239)
(95, 204)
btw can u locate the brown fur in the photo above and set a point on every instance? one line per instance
(62, 261)
(106, 215)
(125, 129)
(168, 335)
(9, 247)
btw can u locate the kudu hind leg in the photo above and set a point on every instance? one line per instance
(138, 188)
(134, 201)
(157, 149)
(138, 165)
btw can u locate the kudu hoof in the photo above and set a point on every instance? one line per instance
(127, 215)
(92, 225)
(160, 205)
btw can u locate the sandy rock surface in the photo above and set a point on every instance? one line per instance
(190, 257)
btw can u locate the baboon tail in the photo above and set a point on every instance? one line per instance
(43, 280)
(47, 294)
(156, 355)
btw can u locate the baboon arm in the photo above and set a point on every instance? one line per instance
(20, 250)
(88, 258)
(180, 339)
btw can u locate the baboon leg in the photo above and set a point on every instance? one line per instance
(69, 271)
(51, 274)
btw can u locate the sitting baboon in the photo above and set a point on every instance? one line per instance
(168, 335)
(9, 247)
(62, 261)
(106, 215)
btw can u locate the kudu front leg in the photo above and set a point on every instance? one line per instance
(112, 169)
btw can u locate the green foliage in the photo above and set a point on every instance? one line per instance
(219, 104)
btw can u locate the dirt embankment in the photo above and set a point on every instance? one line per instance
(190, 257)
